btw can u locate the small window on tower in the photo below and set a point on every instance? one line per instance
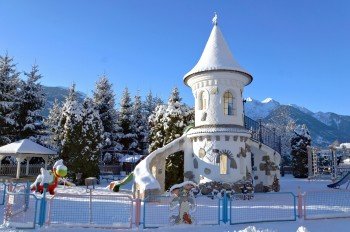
(223, 164)
(228, 103)
(202, 101)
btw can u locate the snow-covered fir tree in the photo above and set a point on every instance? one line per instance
(92, 141)
(140, 125)
(104, 100)
(52, 125)
(156, 128)
(126, 135)
(9, 83)
(149, 107)
(150, 104)
(299, 143)
(52, 139)
(32, 100)
(70, 127)
(176, 119)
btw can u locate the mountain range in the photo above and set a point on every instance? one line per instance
(324, 128)
(59, 93)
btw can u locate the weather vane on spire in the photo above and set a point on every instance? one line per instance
(215, 19)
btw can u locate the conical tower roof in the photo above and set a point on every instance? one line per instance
(217, 56)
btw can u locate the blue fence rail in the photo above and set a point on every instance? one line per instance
(2, 193)
(263, 134)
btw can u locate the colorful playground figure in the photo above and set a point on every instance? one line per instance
(185, 202)
(49, 177)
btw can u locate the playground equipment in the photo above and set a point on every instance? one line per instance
(115, 185)
(49, 177)
(345, 179)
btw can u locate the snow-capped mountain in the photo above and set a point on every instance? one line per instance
(259, 109)
(324, 128)
(58, 93)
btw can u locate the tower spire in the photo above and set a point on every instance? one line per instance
(215, 19)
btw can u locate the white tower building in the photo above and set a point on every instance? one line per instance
(223, 146)
(220, 151)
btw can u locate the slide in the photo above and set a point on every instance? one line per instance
(342, 181)
(143, 175)
(115, 185)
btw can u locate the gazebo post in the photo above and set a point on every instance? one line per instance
(19, 160)
(45, 161)
(27, 168)
(1, 158)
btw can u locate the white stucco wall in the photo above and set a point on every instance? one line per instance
(260, 151)
(206, 168)
(215, 84)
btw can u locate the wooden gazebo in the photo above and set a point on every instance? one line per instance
(25, 149)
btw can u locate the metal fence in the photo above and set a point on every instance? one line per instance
(21, 210)
(262, 207)
(2, 193)
(262, 134)
(327, 204)
(101, 211)
(161, 211)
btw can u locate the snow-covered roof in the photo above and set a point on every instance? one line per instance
(207, 129)
(25, 146)
(130, 158)
(343, 146)
(217, 56)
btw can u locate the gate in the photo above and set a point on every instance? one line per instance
(21, 210)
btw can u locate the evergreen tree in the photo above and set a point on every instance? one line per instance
(140, 125)
(9, 82)
(70, 127)
(299, 143)
(32, 100)
(52, 124)
(105, 104)
(177, 116)
(92, 139)
(149, 106)
(156, 125)
(126, 136)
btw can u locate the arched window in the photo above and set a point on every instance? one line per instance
(228, 103)
(203, 101)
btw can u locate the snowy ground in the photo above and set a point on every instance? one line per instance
(288, 184)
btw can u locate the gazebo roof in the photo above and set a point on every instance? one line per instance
(25, 147)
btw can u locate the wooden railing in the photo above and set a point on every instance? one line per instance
(11, 169)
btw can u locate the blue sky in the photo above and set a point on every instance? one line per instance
(297, 51)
